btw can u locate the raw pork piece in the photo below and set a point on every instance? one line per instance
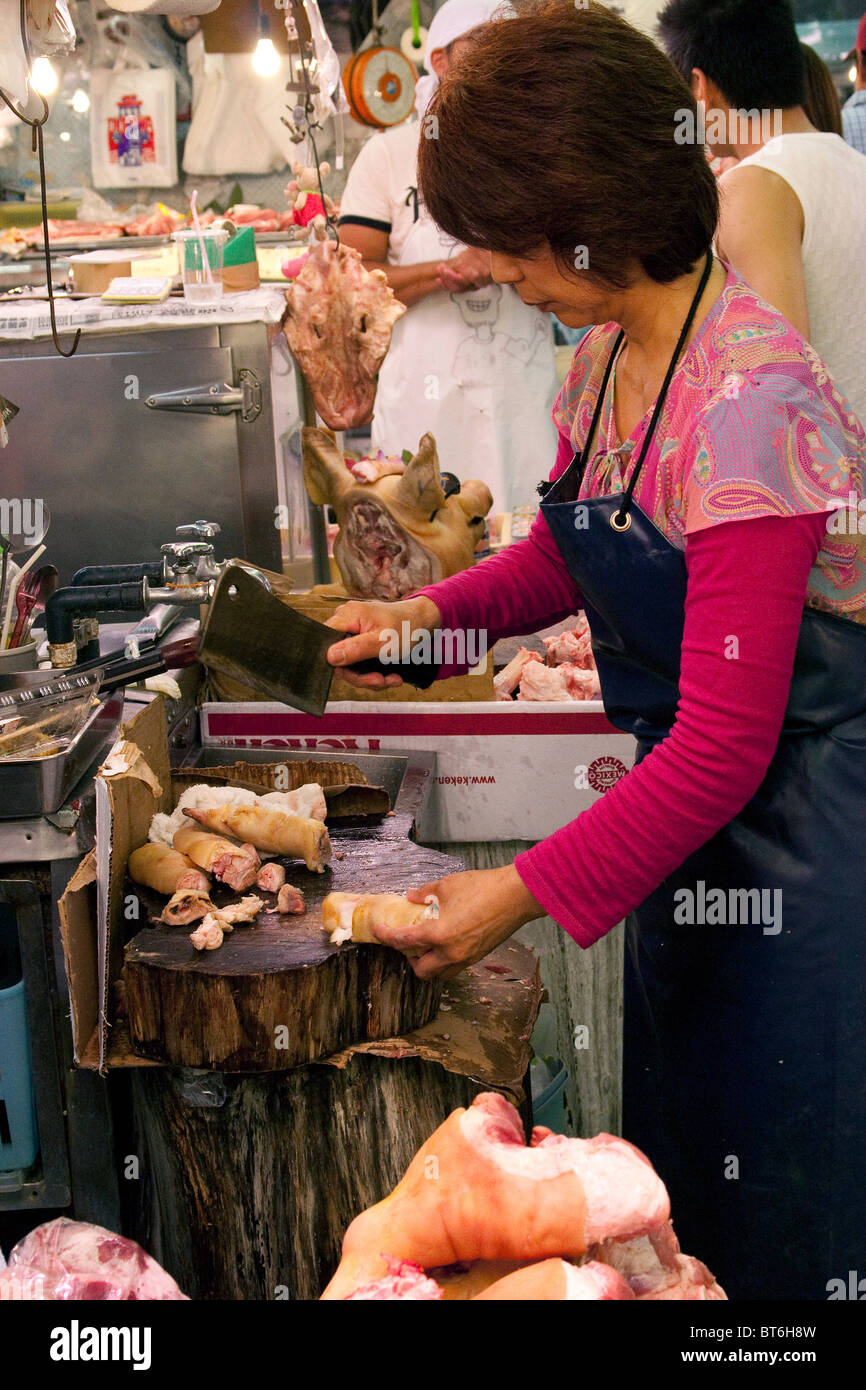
(208, 935)
(185, 906)
(271, 877)
(540, 682)
(338, 326)
(210, 932)
(400, 532)
(404, 1280)
(236, 865)
(162, 222)
(244, 910)
(248, 215)
(559, 1281)
(508, 679)
(290, 900)
(352, 916)
(64, 229)
(657, 1271)
(278, 832)
(308, 800)
(582, 684)
(558, 683)
(73, 1260)
(165, 869)
(496, 1199)
(574, 646)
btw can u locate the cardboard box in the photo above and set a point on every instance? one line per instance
(133, 784)
(504, 770)
(93, 271)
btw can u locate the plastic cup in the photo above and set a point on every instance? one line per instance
(201, 263)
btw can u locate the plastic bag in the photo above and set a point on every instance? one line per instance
(13, 64)
(49, 27)
(235, 127)
(133, 131)
(64, 1260)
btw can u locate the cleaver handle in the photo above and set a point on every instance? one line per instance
(418, 673)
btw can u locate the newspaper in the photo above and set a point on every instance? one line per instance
(30, 319)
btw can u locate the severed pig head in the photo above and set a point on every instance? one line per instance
(399, 532)
(338, 326)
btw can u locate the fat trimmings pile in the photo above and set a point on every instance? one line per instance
(308, 801)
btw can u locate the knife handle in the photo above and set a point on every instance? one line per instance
(421, 674)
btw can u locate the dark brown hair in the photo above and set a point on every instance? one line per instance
(822, 104)
(558, 127)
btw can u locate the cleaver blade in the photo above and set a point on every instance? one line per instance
(251, 636)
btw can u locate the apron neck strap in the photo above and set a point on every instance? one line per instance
(620, 520)
(599, 405)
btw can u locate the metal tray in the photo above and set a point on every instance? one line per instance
(406, 776)
(39, 786)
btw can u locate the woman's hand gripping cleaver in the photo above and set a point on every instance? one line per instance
(253, 637)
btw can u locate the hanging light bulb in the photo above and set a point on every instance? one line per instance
(852, 73)
(43, 78)
(80, 101)
(266, 59)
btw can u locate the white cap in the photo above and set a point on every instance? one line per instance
(450, 22)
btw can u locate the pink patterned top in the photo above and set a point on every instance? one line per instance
(756, 435)
(753, 426)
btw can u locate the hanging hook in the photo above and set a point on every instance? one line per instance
(39, 148)
(331, 229)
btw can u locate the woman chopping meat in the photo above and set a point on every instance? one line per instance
(704, 455)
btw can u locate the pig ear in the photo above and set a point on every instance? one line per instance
(420, 488)
(325, 473)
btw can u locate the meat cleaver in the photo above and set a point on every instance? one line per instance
(253, 637)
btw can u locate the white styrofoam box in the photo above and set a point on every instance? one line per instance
(504, 770)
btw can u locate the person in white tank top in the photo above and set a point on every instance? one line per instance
(793, 212)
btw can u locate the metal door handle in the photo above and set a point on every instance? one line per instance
(214, 398)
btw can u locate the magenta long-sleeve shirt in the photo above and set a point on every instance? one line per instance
(603, 864)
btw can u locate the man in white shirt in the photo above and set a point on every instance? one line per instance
(793, 216)
(854, 110)
(470, 362)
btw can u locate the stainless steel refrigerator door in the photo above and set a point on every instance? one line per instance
(118, 476)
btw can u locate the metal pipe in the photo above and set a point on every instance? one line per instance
(316, 515)
(202, 592)
(66, 604)
(154, 570)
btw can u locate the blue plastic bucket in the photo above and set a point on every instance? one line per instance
(19, 1144)
(549, 1108)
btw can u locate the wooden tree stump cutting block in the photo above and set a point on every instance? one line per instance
(249, 1182)
(277, 994)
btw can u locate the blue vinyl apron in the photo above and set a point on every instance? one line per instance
(744, 1074)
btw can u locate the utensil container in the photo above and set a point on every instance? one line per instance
(201, 264)
(19, 1143)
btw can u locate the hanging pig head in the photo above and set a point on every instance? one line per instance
(338, 325)
(400, 532)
